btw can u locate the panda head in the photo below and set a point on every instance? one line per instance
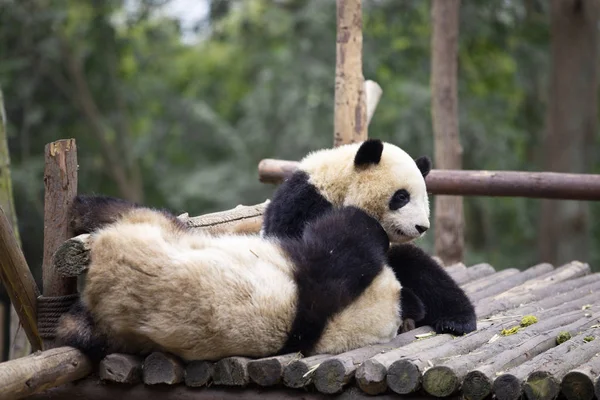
(379, 178)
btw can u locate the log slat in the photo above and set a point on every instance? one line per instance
(162, 368)
(198, 373)
(231, 371)
(121, 368)
(578, 384)
(473, 273)
(490, 280)
(269, 371)
(299, 373)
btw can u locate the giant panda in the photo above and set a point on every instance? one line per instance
(154, 284)
(384, 181)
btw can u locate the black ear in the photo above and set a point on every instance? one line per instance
(369, 153)
(424, 165)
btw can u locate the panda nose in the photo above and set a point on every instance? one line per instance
(420, 228)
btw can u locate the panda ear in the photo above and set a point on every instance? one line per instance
(369, 153)
(424, 165)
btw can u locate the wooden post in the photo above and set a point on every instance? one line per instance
(19, 282)
(449, 219)
(350, 122)
(60, 183)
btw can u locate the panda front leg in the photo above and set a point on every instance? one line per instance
(447, 307)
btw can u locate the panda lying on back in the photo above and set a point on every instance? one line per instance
(329, 284)
(384, 181)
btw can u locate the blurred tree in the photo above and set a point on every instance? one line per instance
(572, 118)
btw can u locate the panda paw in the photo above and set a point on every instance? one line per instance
(457, 326)
(408, 324)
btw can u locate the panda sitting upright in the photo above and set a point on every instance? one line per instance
(384, 181)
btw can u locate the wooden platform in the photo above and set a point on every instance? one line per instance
(416, 364)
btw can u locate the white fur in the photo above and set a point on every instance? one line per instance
(333, 173)
(207, 297)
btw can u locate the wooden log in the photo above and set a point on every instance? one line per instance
(198, 373)
(473, 273)
(73, 256)
(508, 283)
(241, 219)
(60, 184)
(18, 281)
(299, 373)
(93, 389)
(336, 372)
(444, 379)
(350, 122)
(269, 371)
(231, 371)
(371, 374)
(544, 185)
(373, 94)
(489, 280)
(451, 269)
(42, 370)
(578, 384)
(162, 368)
(121, 368)
(560, 280)
(539, 378)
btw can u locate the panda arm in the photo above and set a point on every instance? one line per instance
(336, 259)
(448, 309)
(295, 203)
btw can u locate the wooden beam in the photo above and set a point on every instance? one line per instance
(547, 185)
(18, 281)
(40, 371)
(60, 183)
(350, 121)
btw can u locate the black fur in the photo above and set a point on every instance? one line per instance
(293, 204)
(336, 259)
(90, 213)
(369, 153)
(412, 306)
(76, 328)
(424, 165)
(448, 309)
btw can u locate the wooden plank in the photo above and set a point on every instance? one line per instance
(269, 371)
(489, 280)
(578, 384)
(198, 373)
(231, 371)
(544, 185)
(121, 368)
(299, 373)
(60, 184)
(18, 281)
(162, 368)
(473, 273)
(42, 370)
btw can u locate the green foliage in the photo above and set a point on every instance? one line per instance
(189, 122)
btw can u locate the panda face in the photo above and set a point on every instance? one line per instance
(391, 186)
(379, 178)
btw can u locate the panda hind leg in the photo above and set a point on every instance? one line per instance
(76, 328)
(447, 308)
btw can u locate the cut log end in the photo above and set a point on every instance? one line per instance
(507, 387)
(577, 386)
(121, 368)
(73, 256)
(198, 373)
(231, 371)
(403, 377)
(370, 377)
(297, 374)
(268, 371)
(162, 368)
(440, 381)
(476, 386)
(541, 385)
(332, 375)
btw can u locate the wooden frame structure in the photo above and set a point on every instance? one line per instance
(480, 364)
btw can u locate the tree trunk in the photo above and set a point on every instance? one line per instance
(570, 124)
(350, 121)
(449, 220)
(18, 344)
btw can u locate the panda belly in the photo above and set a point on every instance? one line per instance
(196, 296)
(374, 317)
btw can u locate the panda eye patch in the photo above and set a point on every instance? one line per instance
(399, 199)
